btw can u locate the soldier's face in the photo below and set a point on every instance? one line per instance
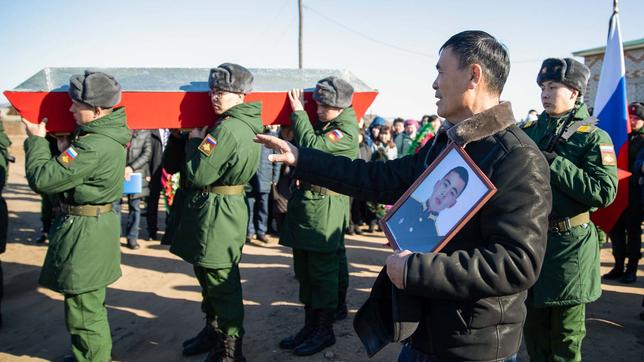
(326, 113)
(446, 191)
(451, 85)
(636, 122)
(223, 101)
(557, 98)
(83, 114)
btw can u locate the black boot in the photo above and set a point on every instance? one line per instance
(309, 326)
(341, 311)
(229, 351)
(203, 342)
(630, 276)
(321, 338)
(617, 271)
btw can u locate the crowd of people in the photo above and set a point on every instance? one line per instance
(524, 268)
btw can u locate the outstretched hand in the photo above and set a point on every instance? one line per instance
(286, 152)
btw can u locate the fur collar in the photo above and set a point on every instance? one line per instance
(482, 125)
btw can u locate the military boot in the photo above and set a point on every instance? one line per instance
(321, 338)
(210, 322)
(342, 310)
(309, 326)
(630, 276)
(207, 339)
(230, 350)
(617, 271)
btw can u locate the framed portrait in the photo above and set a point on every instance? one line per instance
(438, 204)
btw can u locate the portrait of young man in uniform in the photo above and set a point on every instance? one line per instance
(414, 222)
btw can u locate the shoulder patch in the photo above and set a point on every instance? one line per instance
(608, 154)
(208, 145)
(586, 129)
(528, 124)
(335, 135)
(68, 156)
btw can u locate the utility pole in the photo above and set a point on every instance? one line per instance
(299, 40)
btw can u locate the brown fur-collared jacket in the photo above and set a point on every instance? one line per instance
(473, 291)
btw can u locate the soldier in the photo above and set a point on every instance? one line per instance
(214, 216)
(84, 249)
(583, 177)
(5, 158)
(317, 217)
(626, 235)
(421, 231)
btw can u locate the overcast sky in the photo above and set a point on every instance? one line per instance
(391, 45)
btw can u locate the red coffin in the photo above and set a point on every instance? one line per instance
(164, 104)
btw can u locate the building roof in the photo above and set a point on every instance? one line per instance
(628, 45)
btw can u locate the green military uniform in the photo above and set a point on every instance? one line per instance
(317, 217)
(415, 227)
(84, 251)
(583, 177)
(214, 215)
(4, 212)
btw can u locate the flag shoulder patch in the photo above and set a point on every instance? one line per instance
(334, 135)
(67, 157)
(208, 145)
(608, 154)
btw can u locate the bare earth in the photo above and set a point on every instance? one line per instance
(155, 305)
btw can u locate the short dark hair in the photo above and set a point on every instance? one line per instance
(463, 174)
(479, 47)
(397, 120)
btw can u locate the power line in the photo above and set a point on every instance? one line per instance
(368, 37)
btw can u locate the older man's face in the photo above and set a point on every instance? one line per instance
(450, 86)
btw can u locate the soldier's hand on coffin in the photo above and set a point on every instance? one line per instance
(396, 264)
(198, 132)
(33, 129)
(286, 152)
(62, 142)
(296, 97)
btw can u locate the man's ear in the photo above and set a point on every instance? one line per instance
(476, 76)
(574, 94)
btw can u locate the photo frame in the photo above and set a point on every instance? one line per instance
(438, 204)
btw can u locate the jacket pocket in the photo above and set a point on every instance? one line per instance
(195, 221)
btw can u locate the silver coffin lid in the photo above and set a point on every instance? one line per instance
(187, 79)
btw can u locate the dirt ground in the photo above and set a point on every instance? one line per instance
(155, 305)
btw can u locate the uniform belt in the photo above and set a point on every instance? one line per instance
(226, 190)
(567, 223)
(85, 210)
(318, 189)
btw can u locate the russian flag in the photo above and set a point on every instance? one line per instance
(611, 108)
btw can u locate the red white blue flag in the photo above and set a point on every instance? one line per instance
(611, 108)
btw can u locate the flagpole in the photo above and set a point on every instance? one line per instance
(615, 8)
